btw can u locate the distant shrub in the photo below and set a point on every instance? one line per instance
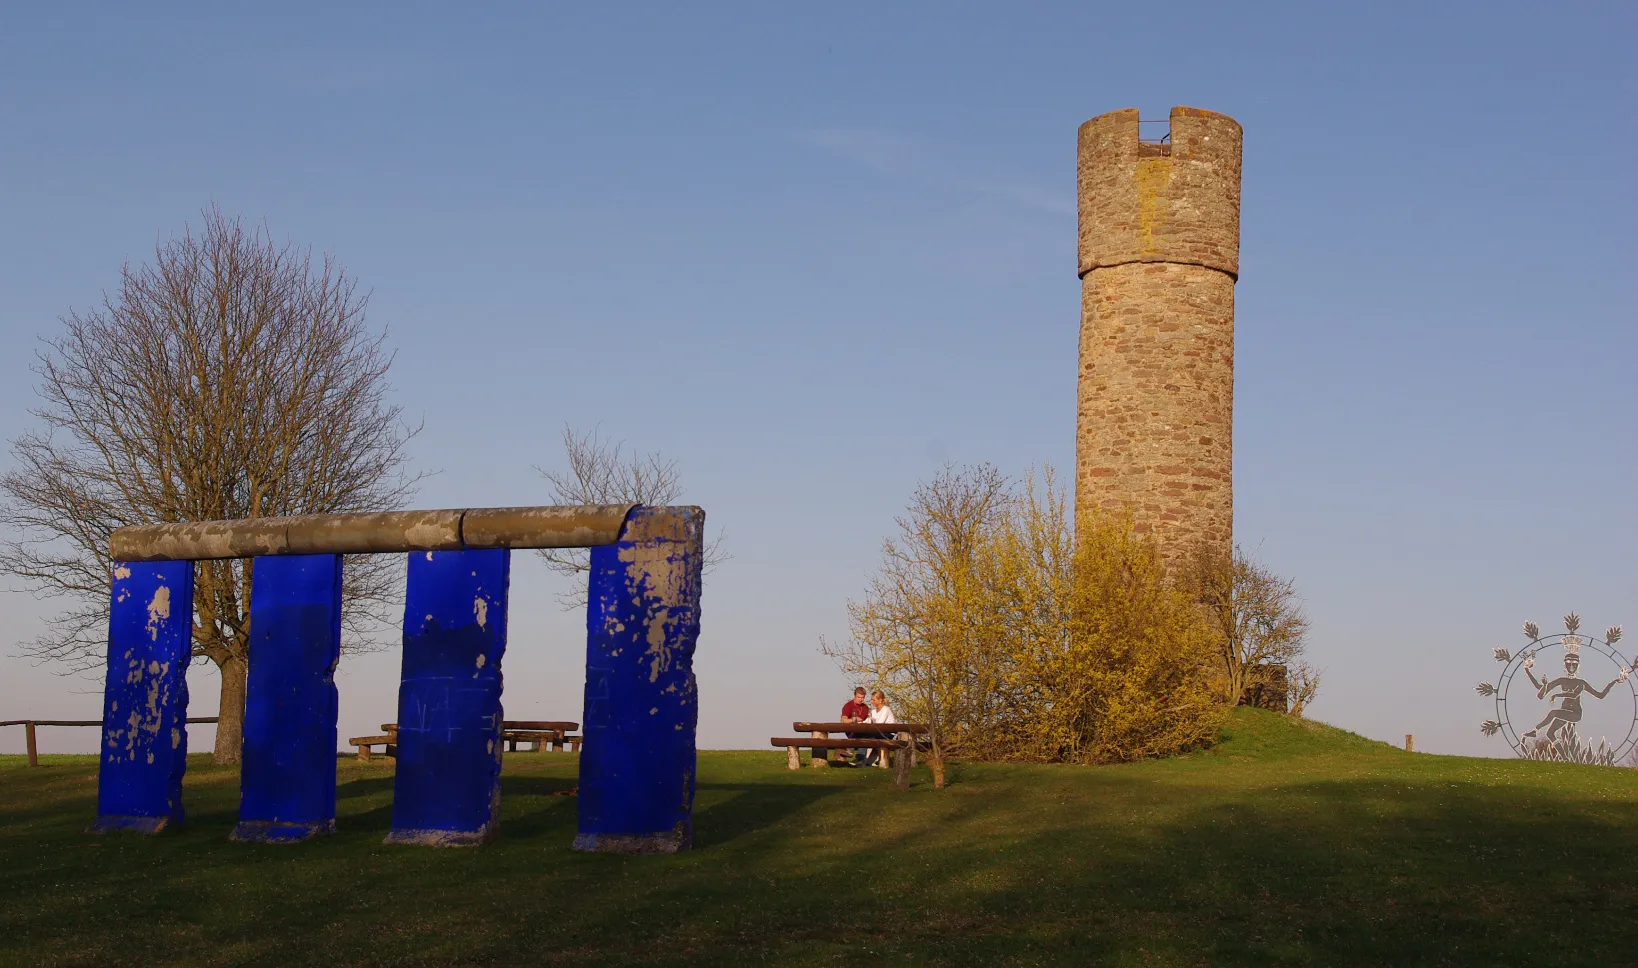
(1129, 675)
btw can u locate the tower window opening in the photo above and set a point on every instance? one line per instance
(1150, 137)
(1158, 144)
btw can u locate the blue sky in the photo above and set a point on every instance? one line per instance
(815, 253)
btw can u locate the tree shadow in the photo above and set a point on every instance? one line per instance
(536, 786)
(1168, 865)
(1332, 872)
(751, 808)
(364, 786)
(374, 821)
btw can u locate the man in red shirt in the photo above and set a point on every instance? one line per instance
(856, 711)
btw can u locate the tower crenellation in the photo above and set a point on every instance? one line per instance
(1159, 257)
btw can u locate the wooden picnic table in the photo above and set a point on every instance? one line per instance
(538, 733)
(890, 736)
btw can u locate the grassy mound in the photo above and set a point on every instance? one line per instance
(1291, 843)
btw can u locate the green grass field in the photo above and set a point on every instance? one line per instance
(1289, 844)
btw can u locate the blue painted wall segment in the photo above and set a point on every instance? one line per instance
(287, 784)
(145, 702)
(637, 759)
(447, 787)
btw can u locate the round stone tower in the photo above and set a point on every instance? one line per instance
(1159, 255)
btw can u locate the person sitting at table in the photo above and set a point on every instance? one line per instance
(880, 712)
(856, 711)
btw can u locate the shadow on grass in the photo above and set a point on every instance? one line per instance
(1354, 872)
(1019, 866)
(537, 786)
(750, 808)
(364, 786)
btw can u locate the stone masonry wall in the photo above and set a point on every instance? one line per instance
(1159, 255)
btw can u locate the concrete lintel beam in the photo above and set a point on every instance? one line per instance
(367, 533)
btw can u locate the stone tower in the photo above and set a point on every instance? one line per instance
(1159, 255)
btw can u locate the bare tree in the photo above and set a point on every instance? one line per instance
(229, 378)
(1256, 621)
(1304, 681)
(922, 629)
(600, 471)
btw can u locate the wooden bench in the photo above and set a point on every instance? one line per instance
(366, 745)
(892, 736)
(539, 734)
(539, 740)
(821, 748)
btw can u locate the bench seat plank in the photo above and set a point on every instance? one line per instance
(548, 724)
(822, 745)
(539, 732)
(880, 728)
(808, 742)
(388, 743)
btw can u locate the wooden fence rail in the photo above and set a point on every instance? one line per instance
(29, 724)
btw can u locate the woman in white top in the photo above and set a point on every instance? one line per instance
(880, 712)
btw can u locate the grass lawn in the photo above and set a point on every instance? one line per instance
(1289, 844)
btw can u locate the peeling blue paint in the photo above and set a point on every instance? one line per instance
(637, 760)
(145, 701)
(288, 781)
(447, 787)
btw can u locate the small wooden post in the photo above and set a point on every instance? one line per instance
(821, 756)
(794, 757)
(33, 750)
(1410, 743)
(901, 769)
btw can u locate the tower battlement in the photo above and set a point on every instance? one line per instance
(1176, 202)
